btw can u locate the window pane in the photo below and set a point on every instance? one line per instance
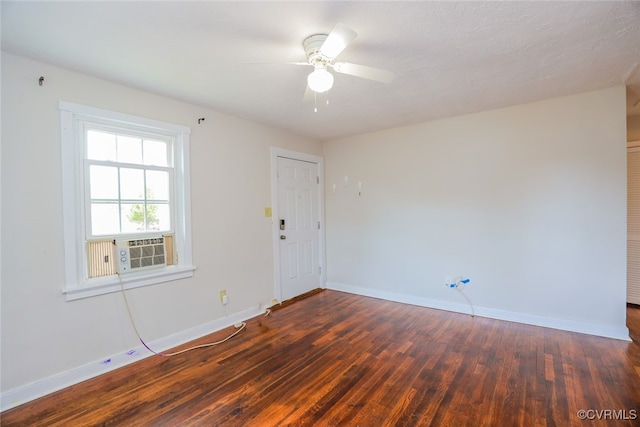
(133, 218)
(129, 149)
(160, 215)
(101, 145)
(157, 185)
(104, 182)
(104, 218)
(155, 153)
(131, 184)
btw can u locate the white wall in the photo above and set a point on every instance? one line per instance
(528, 201)
(42, 334)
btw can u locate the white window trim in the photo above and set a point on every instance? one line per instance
(76, 286)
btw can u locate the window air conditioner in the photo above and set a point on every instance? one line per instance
(140, 254)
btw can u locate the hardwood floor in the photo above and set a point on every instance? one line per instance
(336, 359)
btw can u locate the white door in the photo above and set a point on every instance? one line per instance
(299, 226)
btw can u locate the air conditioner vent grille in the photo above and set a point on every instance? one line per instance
(146, 252)
(142, 253)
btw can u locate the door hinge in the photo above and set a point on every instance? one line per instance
(320, 270)
(318, 179)
(318, 225)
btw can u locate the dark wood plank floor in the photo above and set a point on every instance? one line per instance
(336, 359)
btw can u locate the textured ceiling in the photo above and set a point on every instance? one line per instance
(450, 58)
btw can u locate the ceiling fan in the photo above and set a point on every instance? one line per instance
(322, 49)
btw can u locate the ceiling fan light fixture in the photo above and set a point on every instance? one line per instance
(320, 80)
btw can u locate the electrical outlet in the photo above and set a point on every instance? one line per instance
(223, 297)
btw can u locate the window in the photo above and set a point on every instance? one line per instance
(125, 199)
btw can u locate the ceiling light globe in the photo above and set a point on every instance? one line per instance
(320, 80)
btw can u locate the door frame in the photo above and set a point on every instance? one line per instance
(275, 227)
(632, 146)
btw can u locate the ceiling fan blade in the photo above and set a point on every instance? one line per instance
(371, 73)
(337, 41)
(276, 63)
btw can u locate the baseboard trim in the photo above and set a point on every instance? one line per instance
(510, 316)
(283, 304)
(32, 391)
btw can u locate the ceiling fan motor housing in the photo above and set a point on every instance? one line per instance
(312, 45)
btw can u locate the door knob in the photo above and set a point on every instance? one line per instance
(283, 237)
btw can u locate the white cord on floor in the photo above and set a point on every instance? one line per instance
(126, 302)
(468, 300)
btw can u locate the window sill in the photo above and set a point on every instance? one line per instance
(110, 284)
